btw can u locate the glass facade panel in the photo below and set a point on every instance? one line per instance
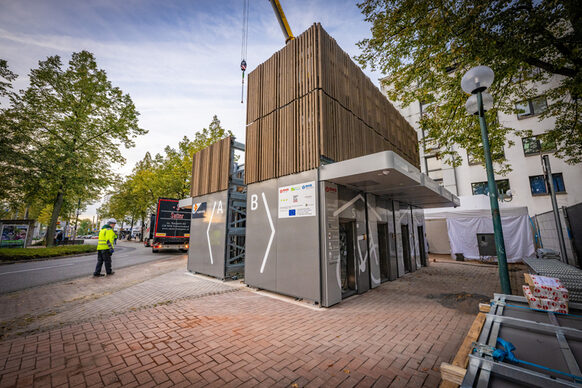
(539, 105)
(535, 144)
(482, 187)
(531, 145)
(531, 107)
(502, 186)
(479, 188)
(523, 109)
(537, 184)
(559, 183)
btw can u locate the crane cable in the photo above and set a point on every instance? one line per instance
(243, 52)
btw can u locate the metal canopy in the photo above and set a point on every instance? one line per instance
(387, 174)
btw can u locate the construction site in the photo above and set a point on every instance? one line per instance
(329, 204)
(329, 201)
(318, 254)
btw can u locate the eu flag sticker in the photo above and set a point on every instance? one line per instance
(291, 212)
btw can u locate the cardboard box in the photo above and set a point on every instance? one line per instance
(547, 288)
(543, 303)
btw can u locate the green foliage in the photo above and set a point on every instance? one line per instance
(67, 128)
(83, 227)
(425, 47)
(10, 254)
(6, 79)
(10, 140)
(168, 175)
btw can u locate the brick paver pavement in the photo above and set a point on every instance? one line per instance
(395, 335)
(30, 308)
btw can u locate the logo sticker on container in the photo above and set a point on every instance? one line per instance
(297, 200)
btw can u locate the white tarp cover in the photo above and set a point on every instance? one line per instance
(464, 224)
(437, 236)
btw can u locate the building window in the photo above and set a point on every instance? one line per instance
(535, 144)
(473, 161)
(482, 188)
(434, 168)
(526, 74)
(532, 107)
(538, 184)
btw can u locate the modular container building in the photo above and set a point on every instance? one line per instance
(340, 229)
(334, 196)
(218, 205)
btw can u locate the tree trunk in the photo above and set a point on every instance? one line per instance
(142, 229)
(76, 220)
(52, 227)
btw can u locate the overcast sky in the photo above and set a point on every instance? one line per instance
(179, 60)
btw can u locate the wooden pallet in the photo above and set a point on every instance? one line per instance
(453, 374)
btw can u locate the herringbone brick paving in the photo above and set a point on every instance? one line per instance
(52, 297)
(64, 302)
(395, 335)
(163, 289)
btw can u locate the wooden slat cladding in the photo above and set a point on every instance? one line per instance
(211, 168)
(253, 94)
(285, 149)
(252, 158)
(311, 100)
(285, 141)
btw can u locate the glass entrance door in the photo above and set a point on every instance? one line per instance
(384, 251)
(406, 248)
(347, 257)
(421, 246)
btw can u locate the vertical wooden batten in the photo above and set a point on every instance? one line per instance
(311, 100)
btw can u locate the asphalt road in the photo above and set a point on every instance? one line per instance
(19, 276)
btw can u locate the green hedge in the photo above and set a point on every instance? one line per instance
(38, 253)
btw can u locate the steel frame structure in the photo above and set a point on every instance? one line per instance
(236, 217)
(482, 367)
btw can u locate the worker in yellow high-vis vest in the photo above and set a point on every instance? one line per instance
(105, 248)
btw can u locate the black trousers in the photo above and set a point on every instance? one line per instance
(103, 257)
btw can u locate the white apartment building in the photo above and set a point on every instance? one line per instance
(525, 181)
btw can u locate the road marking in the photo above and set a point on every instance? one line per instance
(37, 269)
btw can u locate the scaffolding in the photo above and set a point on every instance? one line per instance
(236, 217)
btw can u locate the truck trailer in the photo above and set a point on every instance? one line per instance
(170, 226)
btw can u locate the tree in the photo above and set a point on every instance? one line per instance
(534, 47)
(11, 140)
(6, 79)
(167, 175)
(75, 122)
(174, 175)
(84, 226)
